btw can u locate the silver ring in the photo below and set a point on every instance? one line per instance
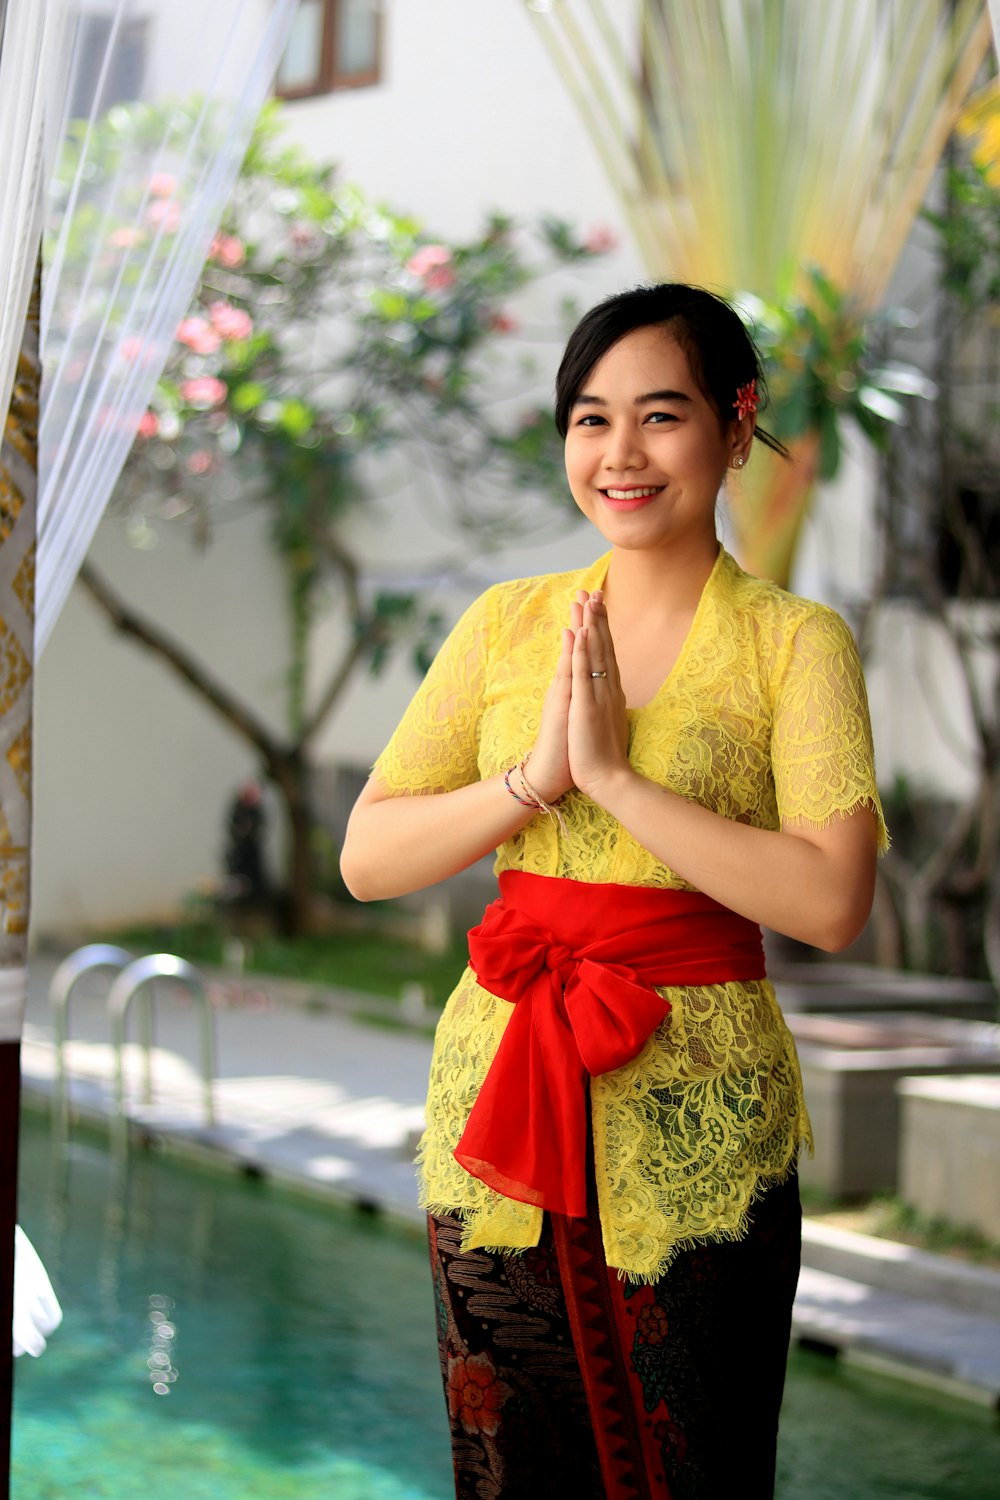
(598, 674)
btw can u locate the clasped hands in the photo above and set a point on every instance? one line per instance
(583, 737)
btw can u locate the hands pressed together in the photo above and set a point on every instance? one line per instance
(583, 737)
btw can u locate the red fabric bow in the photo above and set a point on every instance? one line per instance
(580, 964)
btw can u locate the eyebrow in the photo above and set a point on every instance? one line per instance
(584, 400)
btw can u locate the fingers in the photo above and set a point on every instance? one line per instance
(602, 649)
(591, 668)
(576, 610)
(593, 652)
(564, 666)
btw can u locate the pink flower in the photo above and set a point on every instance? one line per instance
(149, 425)
(433, 264)
(162, 185)
(125, 238)
(204, 391)
(503, 322)
(200, 462)
(131, 348)
(228, 251)
(198, 335)
(231, 323)
(599, 240)
(304, 236)
(166, 212)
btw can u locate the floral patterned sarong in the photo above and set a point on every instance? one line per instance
(564, 1380)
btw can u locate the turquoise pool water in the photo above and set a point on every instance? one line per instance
(224, 1340)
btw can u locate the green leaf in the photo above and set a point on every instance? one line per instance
(829, 445)
(295, 419)
(248, 396)
(906, 379)
(392, 306)
(882, 404)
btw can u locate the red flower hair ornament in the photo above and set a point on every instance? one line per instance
(747, 400)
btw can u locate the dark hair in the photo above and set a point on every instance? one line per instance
(720, 351)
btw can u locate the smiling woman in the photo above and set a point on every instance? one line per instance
(665, 753)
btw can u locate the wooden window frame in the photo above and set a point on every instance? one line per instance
(330, 79)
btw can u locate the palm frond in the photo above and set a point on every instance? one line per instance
(747, 138)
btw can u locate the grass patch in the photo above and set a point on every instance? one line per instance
(369, 961)
(887, 1217)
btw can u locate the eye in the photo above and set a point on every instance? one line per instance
(658, 418)
(591, 419)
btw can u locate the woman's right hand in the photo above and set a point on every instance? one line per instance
(548, 764)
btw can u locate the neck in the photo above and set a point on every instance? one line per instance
(667, 582)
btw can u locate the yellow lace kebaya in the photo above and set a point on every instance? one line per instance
(763, 719)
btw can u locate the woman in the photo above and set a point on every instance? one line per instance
(666, 753)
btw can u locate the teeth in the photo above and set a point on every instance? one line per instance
(633, 494)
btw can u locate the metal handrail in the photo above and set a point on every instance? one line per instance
(139, 976)
(64, 981)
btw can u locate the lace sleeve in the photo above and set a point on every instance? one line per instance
(436, 745)
(821, 738)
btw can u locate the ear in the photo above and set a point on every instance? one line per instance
(741, 432)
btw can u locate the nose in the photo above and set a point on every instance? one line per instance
(622, 449)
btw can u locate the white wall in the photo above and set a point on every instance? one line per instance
(132, 774)
(471, 115)
(920, 700)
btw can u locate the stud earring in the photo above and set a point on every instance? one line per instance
(739, 460)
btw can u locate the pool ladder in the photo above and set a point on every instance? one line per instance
(134, 977)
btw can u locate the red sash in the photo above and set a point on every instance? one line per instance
(579, 963)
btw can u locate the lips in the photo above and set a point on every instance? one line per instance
(630, 497)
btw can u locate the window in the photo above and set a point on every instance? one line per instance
(334, 44)
(124, 68)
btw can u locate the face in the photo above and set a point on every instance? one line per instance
(645, 451)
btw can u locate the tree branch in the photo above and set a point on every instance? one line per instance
(128, 622)
(334, 688)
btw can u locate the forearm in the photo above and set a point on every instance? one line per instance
(818, 895)
(396, 845)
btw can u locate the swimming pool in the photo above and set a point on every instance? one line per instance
(224, 1340)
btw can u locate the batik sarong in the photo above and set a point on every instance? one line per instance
(564, 1380)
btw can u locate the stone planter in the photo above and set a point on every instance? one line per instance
(950, 1149)
(847, 987)
(850, 1068)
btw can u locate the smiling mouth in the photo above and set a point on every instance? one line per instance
(631, 499)
(637, 492)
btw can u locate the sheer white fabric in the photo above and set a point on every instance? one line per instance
(129, 223)
(29, 49)
(36, 1307)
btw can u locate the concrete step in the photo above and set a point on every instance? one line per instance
(892, 1267)
(938, 1346)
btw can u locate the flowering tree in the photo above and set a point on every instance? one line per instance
(325, 332)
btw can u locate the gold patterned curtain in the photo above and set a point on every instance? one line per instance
(18, 494)
(18, 487)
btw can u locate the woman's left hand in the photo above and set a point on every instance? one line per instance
(598, 722)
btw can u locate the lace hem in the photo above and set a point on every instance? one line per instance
(686, 1135)
(872, 803)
